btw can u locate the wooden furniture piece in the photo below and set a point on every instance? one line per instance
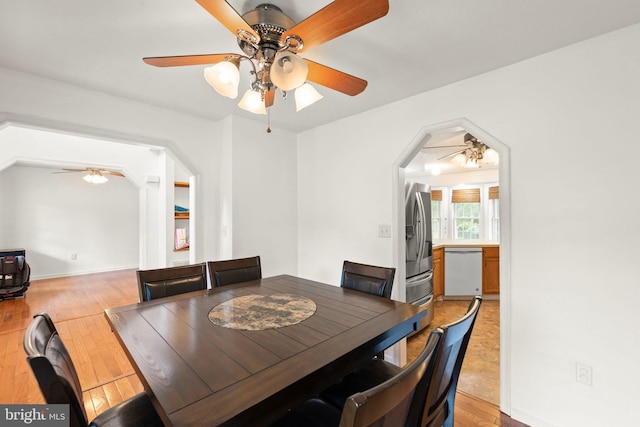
(164, 282)
(59, 383)
(384, 405)
(368, 278)
(228, 272)
(198, 373)
(491, 270)
(438, 272)
(434, 399)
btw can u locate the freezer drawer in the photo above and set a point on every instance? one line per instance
(462, 271)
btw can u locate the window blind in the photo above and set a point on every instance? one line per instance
(468, 195)
(436, 195)
(494, 193)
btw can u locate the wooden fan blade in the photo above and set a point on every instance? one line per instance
(227, 15)
(334, 79)
(336, 19)
(269, 98)
(73, 170)
(452, 154)
(114, 173)
(175, 61)
(444, 146)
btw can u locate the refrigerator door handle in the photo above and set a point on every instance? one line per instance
(421, 228)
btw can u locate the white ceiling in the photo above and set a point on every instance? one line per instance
(418, 46)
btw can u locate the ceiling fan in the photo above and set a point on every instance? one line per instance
(93, 175)
(271, 41)
(470, 154)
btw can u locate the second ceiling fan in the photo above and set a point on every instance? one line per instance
(271, 41)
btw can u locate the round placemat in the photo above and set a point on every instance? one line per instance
(261, 312)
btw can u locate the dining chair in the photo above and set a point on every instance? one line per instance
(387, 404)
(228, 272)
(164, 282)
(59, 382)
(434, 400)
(368, 278)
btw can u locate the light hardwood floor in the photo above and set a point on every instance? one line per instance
(76, 305)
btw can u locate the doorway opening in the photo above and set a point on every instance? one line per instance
(434, 135)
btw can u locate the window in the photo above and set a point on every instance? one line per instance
(494, 211)
(466, 213)
(436, 216)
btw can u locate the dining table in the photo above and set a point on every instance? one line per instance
(243, 354)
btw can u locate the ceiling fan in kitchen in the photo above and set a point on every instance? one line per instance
(470, 154)
(93, 175)
(270, 42)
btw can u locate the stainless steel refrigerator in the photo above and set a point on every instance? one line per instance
(419, 248)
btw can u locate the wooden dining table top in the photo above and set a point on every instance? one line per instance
(203, 360)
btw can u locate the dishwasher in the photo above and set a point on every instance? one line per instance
(462, 272)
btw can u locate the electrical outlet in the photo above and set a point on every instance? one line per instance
(74, 257)
(384, 230)
(584, 373)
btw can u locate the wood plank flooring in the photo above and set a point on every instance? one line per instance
(76, 305)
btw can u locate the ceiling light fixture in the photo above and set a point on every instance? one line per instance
(95, 177)
(274, 64)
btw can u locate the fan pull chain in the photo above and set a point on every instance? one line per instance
(268, 120)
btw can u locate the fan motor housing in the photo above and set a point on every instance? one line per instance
(270, 22)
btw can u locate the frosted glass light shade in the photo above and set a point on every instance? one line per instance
(306, 95)
(95, 177)
(224, 77)
(288, 71)
(252, 101)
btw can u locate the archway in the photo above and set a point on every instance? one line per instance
(422, 138)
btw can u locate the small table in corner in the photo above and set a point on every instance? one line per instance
(243, 354)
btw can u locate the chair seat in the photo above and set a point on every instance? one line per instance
(136, 411)
(312, 413)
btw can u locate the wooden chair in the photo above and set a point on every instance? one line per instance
(387, 404)
(368, 278)
(434, 400)
(59, 383)
(228, 272)
(164, 282)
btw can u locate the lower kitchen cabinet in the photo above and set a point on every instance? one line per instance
(490, 270)
(438, 272)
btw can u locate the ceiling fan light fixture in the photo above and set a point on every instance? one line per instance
(306, 95)
(95, 177)
(224, 77)
(288, 71)
(252, 101)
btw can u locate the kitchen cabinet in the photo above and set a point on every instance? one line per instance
(491, 270)
(438, 272)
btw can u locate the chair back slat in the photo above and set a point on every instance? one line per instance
(368, 278)
(229, 272)
(388, 404)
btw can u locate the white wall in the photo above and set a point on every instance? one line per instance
(264, 196)
(245, 177)
(191, 141)
(55, 215)
(568, 118)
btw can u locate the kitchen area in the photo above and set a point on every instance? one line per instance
(452, 220)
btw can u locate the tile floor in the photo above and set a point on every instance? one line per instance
(480, 375)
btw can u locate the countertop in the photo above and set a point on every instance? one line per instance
(465, 244)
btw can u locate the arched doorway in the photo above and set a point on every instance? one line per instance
(422, 138)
